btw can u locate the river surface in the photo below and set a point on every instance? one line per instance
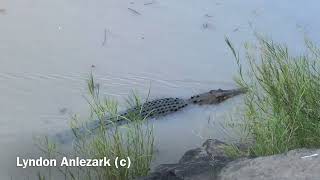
(174, 47)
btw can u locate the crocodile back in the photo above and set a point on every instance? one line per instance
(158, 107)
(150, 109)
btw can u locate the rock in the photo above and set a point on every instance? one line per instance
(294, 165)
(211, 149)
(210, 162)
(201, 163)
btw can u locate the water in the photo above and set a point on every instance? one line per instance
(176, 48)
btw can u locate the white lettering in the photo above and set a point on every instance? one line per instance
(123, 162)
(18, 162)
(24, 163)
(106, 162)
(64, 162)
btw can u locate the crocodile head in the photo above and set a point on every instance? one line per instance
(215, 96)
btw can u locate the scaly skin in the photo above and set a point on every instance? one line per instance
(164, 106)
(160, 107)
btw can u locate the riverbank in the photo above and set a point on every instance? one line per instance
(210, 162)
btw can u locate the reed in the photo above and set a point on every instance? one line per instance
(134, 140)
(282, 104)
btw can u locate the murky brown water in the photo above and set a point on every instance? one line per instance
(48, 48)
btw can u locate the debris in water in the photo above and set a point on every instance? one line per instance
(104, 38)
(63, 110)
(149, 3)
(3, 11)
(205, 25)
(134, 11)
(236, 29)
(208, 25)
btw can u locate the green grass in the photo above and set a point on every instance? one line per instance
(282, 104)
(134, 140)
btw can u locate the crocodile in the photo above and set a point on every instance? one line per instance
(153, 109)
(164, 106)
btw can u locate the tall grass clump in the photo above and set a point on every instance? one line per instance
(282, 104)
(134, 140)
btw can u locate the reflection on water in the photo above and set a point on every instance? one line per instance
(176, 48)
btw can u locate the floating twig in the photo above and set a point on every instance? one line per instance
(104, 38)
(134, 11)
(149, 3)
(63, 110)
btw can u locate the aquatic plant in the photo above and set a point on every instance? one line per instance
(282, 104)
(134, 140)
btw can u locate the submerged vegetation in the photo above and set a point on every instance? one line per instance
(135, 140)
(282, 104)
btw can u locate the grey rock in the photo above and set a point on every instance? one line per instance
(201, 163)
(294, 165)
(209, 162)
(212, 149)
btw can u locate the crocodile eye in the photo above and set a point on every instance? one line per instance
(221, 98)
